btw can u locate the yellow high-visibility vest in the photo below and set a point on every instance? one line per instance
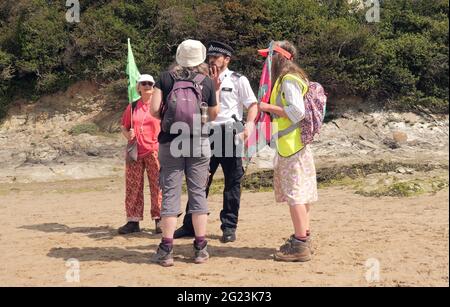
(288, 136)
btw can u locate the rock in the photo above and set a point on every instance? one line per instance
(15, 122)
(400, 137)
(388, 181)
(369, 144)
(414, 143)
(411, 118)
(391, 143)
(93, 152)
(401, 170)
(372, 182)
(409, 171)
(42, 155)
(18, 159)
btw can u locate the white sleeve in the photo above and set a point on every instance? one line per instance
(294, 97)
(246, 95)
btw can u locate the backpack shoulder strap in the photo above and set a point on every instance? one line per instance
(199, 78)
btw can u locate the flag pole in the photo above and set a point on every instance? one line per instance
(131, 106)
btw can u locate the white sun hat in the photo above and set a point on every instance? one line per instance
(146, 77)
(191, 53)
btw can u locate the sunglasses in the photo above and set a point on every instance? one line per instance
(146, 83)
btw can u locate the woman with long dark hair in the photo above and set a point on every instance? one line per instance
(294, 170)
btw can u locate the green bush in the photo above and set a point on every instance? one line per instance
(402, 60)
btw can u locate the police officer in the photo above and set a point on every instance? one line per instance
(235, 94)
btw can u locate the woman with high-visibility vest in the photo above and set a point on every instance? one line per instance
(295, 180)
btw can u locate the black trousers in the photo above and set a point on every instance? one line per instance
(233, 172)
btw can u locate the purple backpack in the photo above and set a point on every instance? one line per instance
(315, 108)
(182, 103)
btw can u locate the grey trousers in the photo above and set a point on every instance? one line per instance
(173, 169)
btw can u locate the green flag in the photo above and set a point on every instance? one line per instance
(133, 76)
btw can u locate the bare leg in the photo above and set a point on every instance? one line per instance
(168, 225)
(308, 210)
(199, 221)
(299, 218)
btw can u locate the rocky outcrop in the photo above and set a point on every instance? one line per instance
(360, 137)
(44, 141)
(39, 141)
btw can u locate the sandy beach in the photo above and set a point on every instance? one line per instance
(49, 229)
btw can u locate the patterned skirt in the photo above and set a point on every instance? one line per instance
(295, 179)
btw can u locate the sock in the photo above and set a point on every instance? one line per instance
(200, 242)
(302, 239)
(167, 242)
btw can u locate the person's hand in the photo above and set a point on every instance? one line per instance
(214, 73)
(131, 134)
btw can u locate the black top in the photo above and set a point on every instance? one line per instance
(165, 84)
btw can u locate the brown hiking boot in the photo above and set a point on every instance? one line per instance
(308, 241)
(294, 250)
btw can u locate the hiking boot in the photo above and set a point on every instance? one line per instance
(130, 227)
(201, 255)
(158, 226)
(163, 256)
(229, 235)
(183, 232)
(309, 241)
(294, 250)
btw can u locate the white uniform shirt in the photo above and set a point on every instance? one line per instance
(235, 93)
(295, 109)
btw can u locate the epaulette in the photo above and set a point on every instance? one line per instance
(236, 75)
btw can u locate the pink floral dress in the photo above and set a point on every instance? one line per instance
(295, 179)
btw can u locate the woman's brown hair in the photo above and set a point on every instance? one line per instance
(186, 73)
(282, 66)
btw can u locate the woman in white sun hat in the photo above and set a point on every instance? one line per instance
(189, 73)
(140, 126)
